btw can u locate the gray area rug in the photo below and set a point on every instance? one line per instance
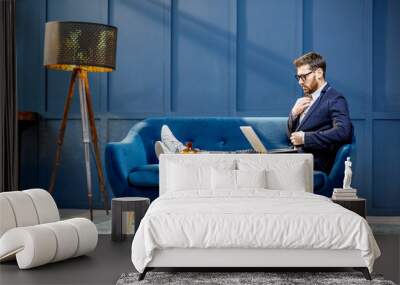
(228, 278)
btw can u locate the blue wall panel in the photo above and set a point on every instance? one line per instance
(386, 56)
(29, 164)
(340, 31)
(31, 17)
(201, 39)
(140, 77)
(207, 57)
(265, 71)
(360, 161)
(386, 175)
(118, 129)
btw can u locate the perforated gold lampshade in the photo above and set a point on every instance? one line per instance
(87, 46)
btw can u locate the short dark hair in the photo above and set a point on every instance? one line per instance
(314, 59)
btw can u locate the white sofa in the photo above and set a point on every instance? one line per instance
(31, 230)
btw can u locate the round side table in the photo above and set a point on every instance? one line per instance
(138, 205)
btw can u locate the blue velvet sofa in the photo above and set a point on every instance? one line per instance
(132, 165)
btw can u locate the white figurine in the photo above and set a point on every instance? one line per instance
(347, 174)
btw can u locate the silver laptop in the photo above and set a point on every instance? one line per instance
(258, 146)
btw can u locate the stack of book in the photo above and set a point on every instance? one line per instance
(344, 194)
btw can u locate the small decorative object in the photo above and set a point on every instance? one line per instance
(128, 222)
(189, 149)
(81, 47)
(348, 173)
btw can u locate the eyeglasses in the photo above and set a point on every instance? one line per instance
(302, 76)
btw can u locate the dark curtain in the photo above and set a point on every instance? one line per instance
(8, 99)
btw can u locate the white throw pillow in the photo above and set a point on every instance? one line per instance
(237, 179)
(170, 141)
(193, 176)
(281, 174)
(223, 179)
(251, 178)
(293, 179)
(183, 177)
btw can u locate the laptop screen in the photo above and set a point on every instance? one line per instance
(253, 139)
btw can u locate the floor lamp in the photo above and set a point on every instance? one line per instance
(81, 47)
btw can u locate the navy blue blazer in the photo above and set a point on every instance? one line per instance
(326, 125)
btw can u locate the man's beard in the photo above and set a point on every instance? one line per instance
(310, 89)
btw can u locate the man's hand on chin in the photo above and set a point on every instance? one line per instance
(297, 138)
(301, 104)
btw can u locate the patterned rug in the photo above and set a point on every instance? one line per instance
(243, 278)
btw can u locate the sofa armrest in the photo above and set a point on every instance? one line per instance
(121, 158)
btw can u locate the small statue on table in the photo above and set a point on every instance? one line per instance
(348, 173)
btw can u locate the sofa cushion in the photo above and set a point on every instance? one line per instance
(144, 175)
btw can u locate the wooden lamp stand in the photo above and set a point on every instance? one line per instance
(88, 139)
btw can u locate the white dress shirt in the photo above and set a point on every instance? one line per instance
(314, 96)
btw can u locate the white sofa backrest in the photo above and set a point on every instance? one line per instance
(26, 208)
(281, 164)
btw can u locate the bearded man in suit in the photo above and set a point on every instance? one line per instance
(319, 122)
